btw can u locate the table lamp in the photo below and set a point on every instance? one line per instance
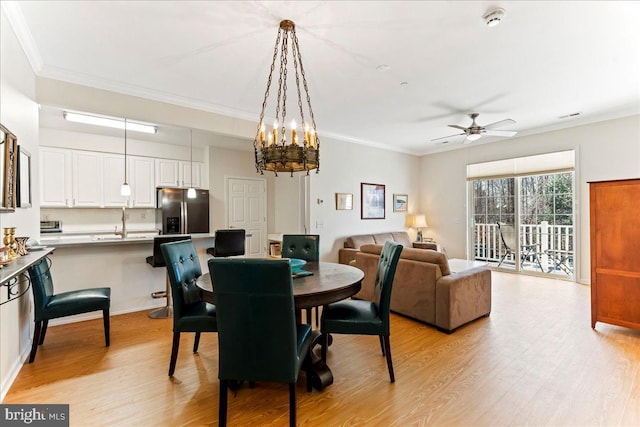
(419, 222)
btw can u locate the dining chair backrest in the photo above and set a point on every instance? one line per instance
(42, 285)
(157, 259)
(183, 268)
(301, 246)
(256, 319)
(229, 242)
(387, 264)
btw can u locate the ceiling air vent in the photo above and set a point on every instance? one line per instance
(566, 116)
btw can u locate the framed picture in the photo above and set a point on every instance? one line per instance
(400, 202)
(24, 178)
(344, 201)
(8, 169)
(372, 201)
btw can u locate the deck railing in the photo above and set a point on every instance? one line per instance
(554, 244)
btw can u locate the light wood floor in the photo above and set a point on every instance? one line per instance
(534, 361)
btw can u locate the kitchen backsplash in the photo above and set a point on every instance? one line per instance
(100, 220)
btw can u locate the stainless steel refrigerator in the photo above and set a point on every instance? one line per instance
(182, 215)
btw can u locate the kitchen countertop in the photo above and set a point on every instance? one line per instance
(89, 239)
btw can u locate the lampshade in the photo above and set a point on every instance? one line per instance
(420, 222)
(286, 148)
(474, 136)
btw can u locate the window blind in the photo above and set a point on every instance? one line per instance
(560, 161)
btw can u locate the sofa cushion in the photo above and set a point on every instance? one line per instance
(357, 241)
(403, 238)
(380, 238)
(424, 255)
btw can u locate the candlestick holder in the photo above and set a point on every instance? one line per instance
(10, 241)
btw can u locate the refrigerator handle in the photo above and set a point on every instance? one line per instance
(185, 223)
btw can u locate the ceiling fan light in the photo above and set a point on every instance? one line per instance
(474, 136)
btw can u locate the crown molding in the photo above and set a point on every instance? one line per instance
(20, 28)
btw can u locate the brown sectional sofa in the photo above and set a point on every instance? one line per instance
(352, 244)
(425, 289)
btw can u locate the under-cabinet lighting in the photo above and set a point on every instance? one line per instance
(108, 122)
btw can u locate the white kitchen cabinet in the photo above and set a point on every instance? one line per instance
(141, 176)
(178, 173)
(86, 183)
(55, 177)
(112, 179)
(187, 171)
(167, 173)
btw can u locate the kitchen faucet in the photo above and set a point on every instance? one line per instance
(123, 233)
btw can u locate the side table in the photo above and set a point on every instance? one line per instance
(427, 245)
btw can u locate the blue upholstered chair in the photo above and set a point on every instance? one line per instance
(258, 337)
(302, 246)
(366, 317)
(190, 313)
(52, 306)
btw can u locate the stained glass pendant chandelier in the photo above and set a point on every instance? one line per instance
(284, 148)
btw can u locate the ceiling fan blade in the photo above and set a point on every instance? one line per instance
(501, 132)
(501, 123)
(458, 127)
(450, 136)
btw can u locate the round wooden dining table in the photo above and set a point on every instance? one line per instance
(329, 282)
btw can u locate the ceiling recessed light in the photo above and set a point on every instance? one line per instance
(383, 67)
(494, 16)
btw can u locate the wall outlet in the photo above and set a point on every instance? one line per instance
(319, 224)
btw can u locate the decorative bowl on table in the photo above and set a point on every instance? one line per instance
(296, 265)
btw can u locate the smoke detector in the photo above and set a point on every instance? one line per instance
(494, 16)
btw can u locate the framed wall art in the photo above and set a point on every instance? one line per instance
(372, 201)
(8, 169)
(344, 201)
(400, 202)
(24, 178)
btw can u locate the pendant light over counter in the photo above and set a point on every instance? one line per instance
(125, 190)
(191, 192)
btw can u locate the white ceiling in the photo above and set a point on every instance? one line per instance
(545, 60)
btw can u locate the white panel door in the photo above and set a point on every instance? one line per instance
(247, 208)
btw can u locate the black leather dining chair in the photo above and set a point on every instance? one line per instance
(360, 317)
(190, 313)
(302, 246)
(258, 338)
(52, 306)
(228, 242)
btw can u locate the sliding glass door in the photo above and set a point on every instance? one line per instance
(525, 223)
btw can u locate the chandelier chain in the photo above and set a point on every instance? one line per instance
(284, 61)
(306, 90)
(266, 93)
(296, 55)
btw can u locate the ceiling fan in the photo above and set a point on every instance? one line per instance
(475, 131)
